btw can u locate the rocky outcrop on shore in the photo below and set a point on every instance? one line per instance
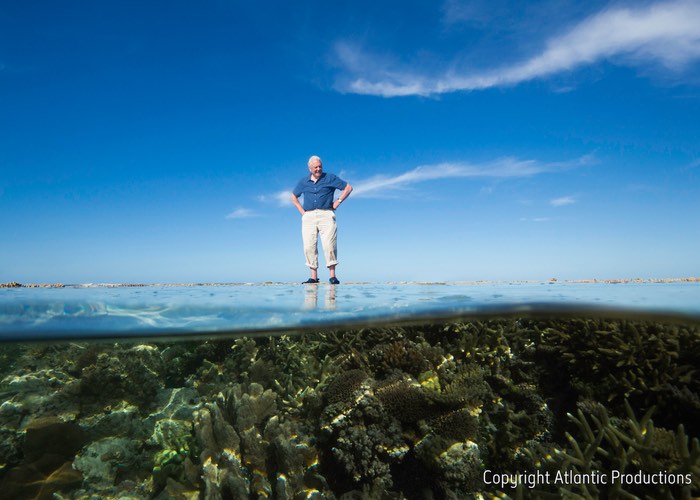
(14, 284)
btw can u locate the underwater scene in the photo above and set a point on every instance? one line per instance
(355, 392)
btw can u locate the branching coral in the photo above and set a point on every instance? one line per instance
(634, 458)
(640, 361)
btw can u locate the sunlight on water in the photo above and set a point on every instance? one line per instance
(179, 309)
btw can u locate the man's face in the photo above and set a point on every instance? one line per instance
(315, 168)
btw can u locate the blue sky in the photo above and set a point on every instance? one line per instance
(156, 142)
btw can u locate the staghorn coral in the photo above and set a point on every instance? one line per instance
(465, 383)
(647, 461)
(485, 343)
(609, 360)
(515, 419)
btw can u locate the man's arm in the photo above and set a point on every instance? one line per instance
(346, 192)
(295, 200)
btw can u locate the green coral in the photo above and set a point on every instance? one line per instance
(176, 441)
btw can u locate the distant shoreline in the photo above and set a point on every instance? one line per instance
(15, 284)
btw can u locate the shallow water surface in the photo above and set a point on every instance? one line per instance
(354, 391)
(156, 309)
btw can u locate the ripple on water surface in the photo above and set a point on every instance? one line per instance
(159, 309)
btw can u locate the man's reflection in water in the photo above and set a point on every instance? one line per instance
(330, 297)
(311, 296)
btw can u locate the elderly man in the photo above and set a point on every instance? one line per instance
(318, 216)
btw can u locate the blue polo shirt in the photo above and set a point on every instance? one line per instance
(319, 194)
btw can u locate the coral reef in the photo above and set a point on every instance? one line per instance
(134, 374)
(412, 411)
(637, 458)
(374, 429)
(249, 452)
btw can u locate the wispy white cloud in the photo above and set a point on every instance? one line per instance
(393, 185)
(500, 169)
(662, 33)
(281, 198)
(242, 213)
(563, 201)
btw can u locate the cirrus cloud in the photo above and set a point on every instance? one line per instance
(501, 168)
(662, 33)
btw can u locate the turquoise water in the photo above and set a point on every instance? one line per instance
(396, 390)
(87, 310)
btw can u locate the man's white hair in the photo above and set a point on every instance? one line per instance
(313, 159)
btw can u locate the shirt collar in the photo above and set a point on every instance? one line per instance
(311, 177)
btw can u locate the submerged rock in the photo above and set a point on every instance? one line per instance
(101, 461)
